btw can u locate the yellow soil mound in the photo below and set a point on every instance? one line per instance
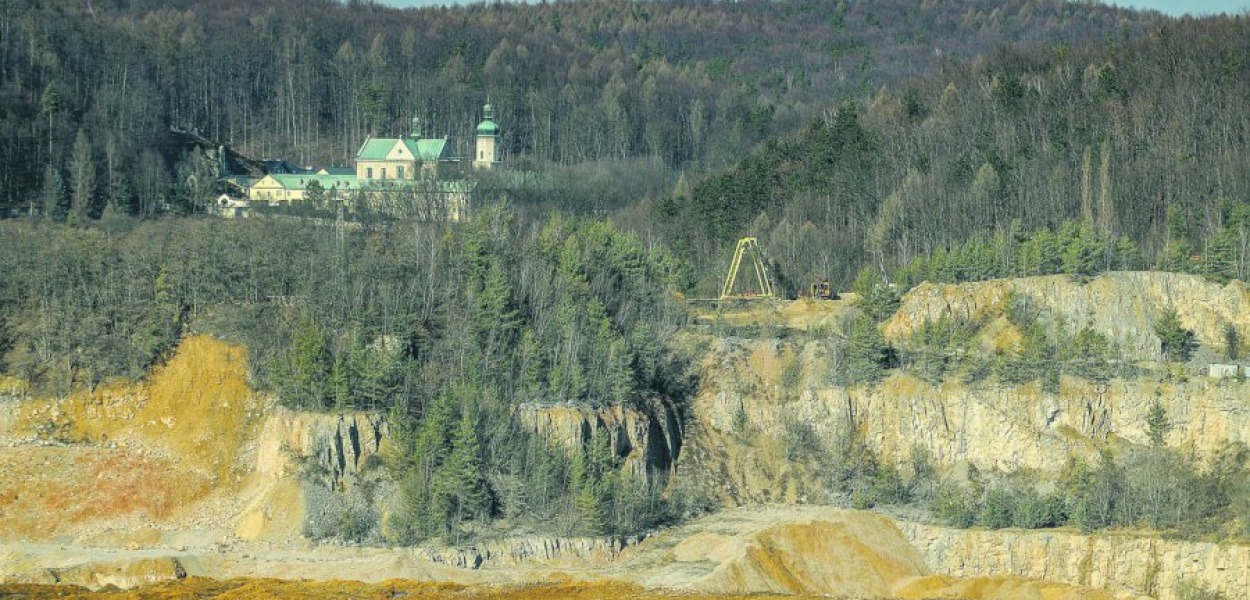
(198, 406)
(792, 550)
(995, 588)
(138, 451)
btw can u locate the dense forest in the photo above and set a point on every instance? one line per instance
(1142, 139)
(448, 329)
(674, 86)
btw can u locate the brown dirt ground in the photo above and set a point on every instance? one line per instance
(196, 588)
(47, 491)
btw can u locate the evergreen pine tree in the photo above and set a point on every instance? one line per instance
(1232, 342)
(303, 377)
(82, 177)
(462, 479)
(1175, 342)
(877, 297)
(584, 492)
(1157, 424)
(1088, 355)
(340, 384)
(53, 195)
(1127, 255)
(867, 352)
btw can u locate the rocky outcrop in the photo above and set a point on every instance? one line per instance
(10, 407)
(298, 453)
(515, 552)
(1122, 564)
(1123, 306)
(649, 441)
(94, 569)
(335, 447)
(744, 408)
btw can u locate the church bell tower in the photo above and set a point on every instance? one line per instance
(487, 140)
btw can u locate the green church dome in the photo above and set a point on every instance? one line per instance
(487, 127)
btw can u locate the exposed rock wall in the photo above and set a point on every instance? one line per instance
(299, 452)
(1123, 306)
(1125, 565)
(649, 440)
(96, 572)
(743, 409)
(337, 445)
(10, 407)
(514, 552)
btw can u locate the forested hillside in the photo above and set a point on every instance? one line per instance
(904, 140)
(448, 330)
(1139, 143)
(672, 85)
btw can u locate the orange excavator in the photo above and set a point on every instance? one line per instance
(822, 290)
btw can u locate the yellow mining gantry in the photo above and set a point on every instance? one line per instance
(748, 245)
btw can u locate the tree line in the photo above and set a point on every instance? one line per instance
(674, 86)
(1134, 142)
(448, 329)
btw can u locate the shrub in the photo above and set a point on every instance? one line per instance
(996, 509)
(800, 441)
(887, 486)
(1188, 589)
(1033, 510)
(791, 373)
(953, 505)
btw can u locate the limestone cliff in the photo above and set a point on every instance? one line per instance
(996, 428)
(298, 451)
(752, 390)
(1124, 564)
(648, 440)
(1122, 306)
(337, 445)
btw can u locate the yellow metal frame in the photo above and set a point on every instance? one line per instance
(748, 245)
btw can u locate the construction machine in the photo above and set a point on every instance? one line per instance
(822, 290)
(749, 248)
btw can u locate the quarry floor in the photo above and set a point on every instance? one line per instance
(267, 589)
(757, 552)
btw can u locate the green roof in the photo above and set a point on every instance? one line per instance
(426, 149)
(487, 127)
(433, 149)
(327, 182)
(375, 149)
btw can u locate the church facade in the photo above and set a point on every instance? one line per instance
(390, 167)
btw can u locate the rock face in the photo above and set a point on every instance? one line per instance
(754, 393)
(516, 552)
(995, 428)
(648, 440)
(1125, 565)
(1122, 306)
(335, 445)
(297, 450)
(95, 570)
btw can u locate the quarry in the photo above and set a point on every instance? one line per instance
(189, 483)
